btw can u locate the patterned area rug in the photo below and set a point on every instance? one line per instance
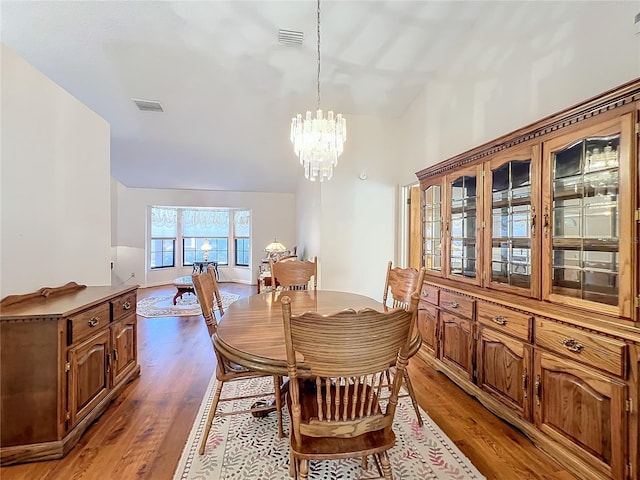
(241, 447)
(186, 306)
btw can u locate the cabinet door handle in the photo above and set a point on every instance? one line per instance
(94, 321)
(425, 293)
(537, 386)
(115, 354)
(126, 305)
(545, 222)
(499, 319)
(533, 225)
(524, 384)
(454, 304)
(573, 345)
(108, 362)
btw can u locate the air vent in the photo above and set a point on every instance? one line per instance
(290, 37)
(148, 105)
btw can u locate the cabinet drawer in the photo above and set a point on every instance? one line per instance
(87, 323)
(505, 320)
(123, 306)
(458, 304)
(590, 348)
(430, 294)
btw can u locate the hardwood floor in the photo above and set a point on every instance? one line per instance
(142, 433)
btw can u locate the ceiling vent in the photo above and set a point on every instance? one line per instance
(148, 105)
(290, 37)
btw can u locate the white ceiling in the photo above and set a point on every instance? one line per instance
(229, 89)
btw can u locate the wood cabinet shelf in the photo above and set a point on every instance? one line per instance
(536, 276)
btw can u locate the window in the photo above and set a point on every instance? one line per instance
(227, 232)
(200, 226)
(241, 231)
(163, 237)
(242, 252)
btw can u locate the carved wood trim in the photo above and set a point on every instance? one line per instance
(42, 292)
(593, 107)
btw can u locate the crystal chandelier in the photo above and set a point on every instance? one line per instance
(318, 142)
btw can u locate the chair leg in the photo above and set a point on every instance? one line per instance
(386, 466)
(278, 395)
(303, 469)
(212, 412)
(365, 464)
(407, 381)
(293, 471)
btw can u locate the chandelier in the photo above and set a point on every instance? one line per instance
(318, 142)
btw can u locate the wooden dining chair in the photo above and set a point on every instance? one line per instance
(403, 283)
(294, 274)
(334, 408)
(206, 288)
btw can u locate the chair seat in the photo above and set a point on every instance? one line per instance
(312, 448)
(416, 343)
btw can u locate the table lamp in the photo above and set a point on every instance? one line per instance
(206, 246)
(274, 248)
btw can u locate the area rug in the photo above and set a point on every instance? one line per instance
(186, 306)
(241, 447)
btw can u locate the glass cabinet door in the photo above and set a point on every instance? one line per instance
(432, 228)
(464, 203)
(587, 213)
(511, 205)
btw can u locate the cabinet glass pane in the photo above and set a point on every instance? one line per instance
(586, 221)
(511, 223)
(463, 226)
(432, 228)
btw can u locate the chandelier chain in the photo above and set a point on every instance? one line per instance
(318, 32)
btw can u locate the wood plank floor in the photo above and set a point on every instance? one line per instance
(142, 433)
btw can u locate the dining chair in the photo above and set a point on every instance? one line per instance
(206, 288)
(403, 283)
(334, 405)
(293, 274)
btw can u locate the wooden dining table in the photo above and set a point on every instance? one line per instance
(251, 331)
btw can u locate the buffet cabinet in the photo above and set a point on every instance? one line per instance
(65, 354)
(531, 299)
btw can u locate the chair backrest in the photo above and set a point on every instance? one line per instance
(207, 291)
(292, 274)
(402, 282)
(349, 353)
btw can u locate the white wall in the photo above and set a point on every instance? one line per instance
(272, 215)
(54, 183)
(596, 49)
(358, 217)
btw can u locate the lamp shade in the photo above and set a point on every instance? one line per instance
(275, 246)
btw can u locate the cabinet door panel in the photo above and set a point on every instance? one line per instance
(582, 410)
(511, 239)
(428, 326)
(88, 375)
(587, 211)
(504, 368)
(123, 341)
(432, 231)
(463, 202)
(457, 343)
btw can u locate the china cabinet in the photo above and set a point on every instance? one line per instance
(66, 353)
(531, 298)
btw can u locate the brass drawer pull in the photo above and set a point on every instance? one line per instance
(524, 384)
(425, 293)
(454, 304)
(126, 305)
(573, 345)
(499, 319)
(94, 321)
(536, 387)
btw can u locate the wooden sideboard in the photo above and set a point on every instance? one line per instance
(531, 300)
(65, 354)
